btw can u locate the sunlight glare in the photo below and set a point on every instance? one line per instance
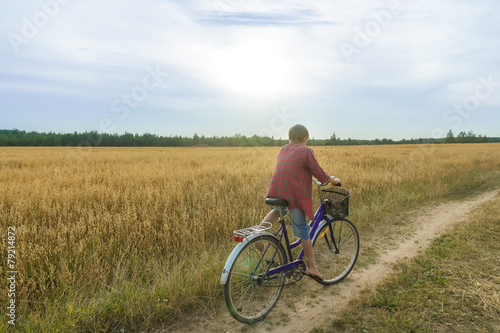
(254, 70)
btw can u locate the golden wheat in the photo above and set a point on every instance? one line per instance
(150, 228)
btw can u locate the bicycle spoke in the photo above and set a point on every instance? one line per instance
(247, 294)
(249, 298)
(336, 256)
(251, 292)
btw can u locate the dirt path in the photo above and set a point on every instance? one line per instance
(328, 302)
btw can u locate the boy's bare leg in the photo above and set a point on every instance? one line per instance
(271, 217)
(309, 252)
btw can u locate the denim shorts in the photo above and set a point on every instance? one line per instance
(299, 222)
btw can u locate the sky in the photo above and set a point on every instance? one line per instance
(360, 69)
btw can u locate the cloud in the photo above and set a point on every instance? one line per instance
(274, 18)
(236, 57)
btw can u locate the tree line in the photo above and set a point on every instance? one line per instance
(468, 137)
(17, 137)
(462, 137)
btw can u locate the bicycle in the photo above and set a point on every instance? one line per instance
(261, 265)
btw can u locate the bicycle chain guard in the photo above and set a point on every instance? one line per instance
(295, 273)
(298, 272)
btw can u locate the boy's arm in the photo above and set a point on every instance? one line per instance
(317, 171)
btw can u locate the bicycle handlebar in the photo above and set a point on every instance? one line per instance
(320, 184)
(317, 183)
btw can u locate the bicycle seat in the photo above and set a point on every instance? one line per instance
(276, 202)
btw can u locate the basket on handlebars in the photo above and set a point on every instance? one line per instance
(336, 201)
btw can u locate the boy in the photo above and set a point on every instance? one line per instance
(292, 181)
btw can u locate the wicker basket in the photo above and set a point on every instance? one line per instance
(336, 201)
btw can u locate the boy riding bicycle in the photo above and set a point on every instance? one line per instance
(292, 181)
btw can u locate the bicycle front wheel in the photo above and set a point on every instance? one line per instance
(249, 294)
(336, 248)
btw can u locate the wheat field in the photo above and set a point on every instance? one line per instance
(135, 238)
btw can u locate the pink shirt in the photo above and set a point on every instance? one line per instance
(292, 179)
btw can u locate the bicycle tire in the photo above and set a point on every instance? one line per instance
(248, 299)
(335, 262)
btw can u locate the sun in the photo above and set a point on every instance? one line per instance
(253, 69)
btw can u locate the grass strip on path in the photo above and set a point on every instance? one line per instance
(453, 287)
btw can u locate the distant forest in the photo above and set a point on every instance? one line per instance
(95, 139)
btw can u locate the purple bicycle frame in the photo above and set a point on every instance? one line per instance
(318, 217)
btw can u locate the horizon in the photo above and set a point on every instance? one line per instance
(385, 69)
(455, 135)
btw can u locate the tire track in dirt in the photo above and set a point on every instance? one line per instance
(429, 226)
(426, 225)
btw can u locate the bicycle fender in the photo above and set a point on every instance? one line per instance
(321, 224)
(236, 250)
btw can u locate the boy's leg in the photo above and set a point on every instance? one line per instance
(301, 230)
(272, 216)
(309, 252)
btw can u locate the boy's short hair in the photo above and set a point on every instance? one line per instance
(298, 133)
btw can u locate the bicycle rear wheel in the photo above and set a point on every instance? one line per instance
(250, 296)
(336, 249)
